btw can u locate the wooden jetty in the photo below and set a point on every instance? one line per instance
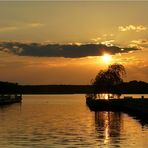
(10, 93)
(10, 99)
(129, 105)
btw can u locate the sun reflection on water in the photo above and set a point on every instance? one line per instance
(106, 130)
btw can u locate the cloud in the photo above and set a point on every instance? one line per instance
(96, 39)
(34, 25)
(132, 28)
(108, 35)
(108, 43)
(60, 50)
(103, 37)
(140, 42)
(9, 28)
(22, 26)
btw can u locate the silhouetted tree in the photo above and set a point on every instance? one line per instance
(105, 80)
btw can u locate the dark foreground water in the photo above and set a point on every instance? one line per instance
(60, 121)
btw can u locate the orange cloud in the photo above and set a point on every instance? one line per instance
(108, 43)
(141, 41)
(9, 28)
(17, 27)
(35, 25)
(96, 39)
(132, 28)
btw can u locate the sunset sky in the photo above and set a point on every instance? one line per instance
(64, 42)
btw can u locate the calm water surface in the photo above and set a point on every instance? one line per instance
(61, 121)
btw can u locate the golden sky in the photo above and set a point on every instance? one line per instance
(77, 30)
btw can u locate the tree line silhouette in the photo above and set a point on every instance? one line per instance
(132, 87)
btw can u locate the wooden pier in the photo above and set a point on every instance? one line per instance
(10, 99)
(134, 106)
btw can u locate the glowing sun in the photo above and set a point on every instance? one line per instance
(106, 58)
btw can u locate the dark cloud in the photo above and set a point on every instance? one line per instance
(60, 50)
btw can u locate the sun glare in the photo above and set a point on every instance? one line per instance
(106, 58)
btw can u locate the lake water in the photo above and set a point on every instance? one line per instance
(62, 121)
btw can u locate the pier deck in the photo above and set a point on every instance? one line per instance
(137, 106)
(4, 100)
